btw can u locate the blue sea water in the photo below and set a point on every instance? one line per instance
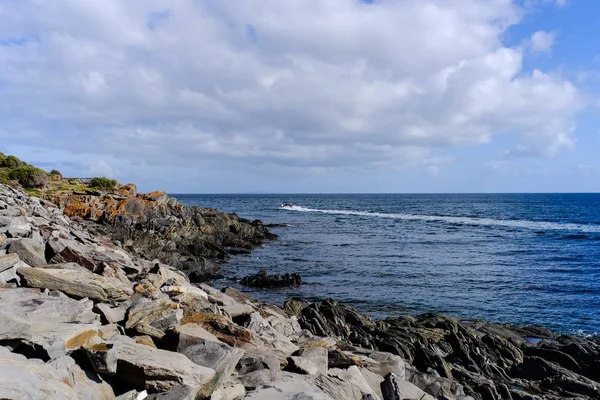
(517, 258)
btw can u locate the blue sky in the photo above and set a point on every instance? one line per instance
(201, 96)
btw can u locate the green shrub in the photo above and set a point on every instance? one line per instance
(12, 162)
(4, 176)
(103, 183)
(29, 177)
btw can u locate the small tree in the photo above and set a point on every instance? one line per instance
(103, 183)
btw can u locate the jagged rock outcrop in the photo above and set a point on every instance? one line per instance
(156, 226)
(478, 358)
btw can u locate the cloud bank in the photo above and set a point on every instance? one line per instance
(293, 84)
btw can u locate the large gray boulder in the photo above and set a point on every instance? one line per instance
(110, 315)
(86, 384)
(19, 227)
(147, 367)
(217, 356)
(229, 391)
(346, 384)
(311, 361)
(153, 317)
(29, 251)
(78, 284)
(272, 339)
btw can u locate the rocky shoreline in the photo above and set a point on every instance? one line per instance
(101, 298)
(156, 226)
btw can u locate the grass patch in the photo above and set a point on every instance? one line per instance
(34, 192)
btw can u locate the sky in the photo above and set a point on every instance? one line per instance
(306, 96)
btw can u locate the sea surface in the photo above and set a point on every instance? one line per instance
(516, 258)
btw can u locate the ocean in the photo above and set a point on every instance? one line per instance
(528, 259)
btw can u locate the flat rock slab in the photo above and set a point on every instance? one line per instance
(230, 391)
(191, 334)
(33, 306)
(177, 393)
(110, 314)
(312, 361)
(8, 261)
(57, 324)
(346, 383)
(31, 379)
(57, 339)
(289, 387)
(77, 284)
(148, 368)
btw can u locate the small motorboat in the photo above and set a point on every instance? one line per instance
(286, 205)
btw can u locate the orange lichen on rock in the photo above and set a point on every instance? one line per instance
(76, 207)
(145, 340)
(84, 339)
(158, 196)
(219, 326)
(127, 190)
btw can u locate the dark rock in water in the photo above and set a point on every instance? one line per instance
(277, 225)
(237, 250)
(264, 280)
(490, 361)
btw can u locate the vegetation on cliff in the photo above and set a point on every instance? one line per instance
(39, 183)
(14, 171)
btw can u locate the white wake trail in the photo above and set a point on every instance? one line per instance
(523, 224)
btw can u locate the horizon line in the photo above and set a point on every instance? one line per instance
(367, 193)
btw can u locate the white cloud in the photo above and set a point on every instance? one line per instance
(321, 84)
(542, 41)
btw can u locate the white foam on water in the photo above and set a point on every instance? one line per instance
(521, 224)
